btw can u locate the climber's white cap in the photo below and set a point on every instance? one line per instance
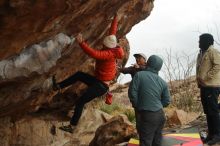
(110, 41)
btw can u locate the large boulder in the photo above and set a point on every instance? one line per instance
(115, 131)
(37, 41)
(43, 129)
(180, 117)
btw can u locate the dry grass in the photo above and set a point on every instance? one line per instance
(115, 108)
(185, 95)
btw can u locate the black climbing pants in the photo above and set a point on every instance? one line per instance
(95, 89)
(209, 99)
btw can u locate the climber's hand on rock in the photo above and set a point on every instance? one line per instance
(79, 38)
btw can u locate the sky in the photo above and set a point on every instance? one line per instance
(174, 25)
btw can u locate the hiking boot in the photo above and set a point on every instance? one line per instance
(214, 140)
(207, 139)
(68, 128)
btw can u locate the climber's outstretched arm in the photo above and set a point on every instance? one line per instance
(114, 25)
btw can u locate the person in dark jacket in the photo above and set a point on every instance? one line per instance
(140, 65)
(148, 94)
(208, 79)
(105, 72)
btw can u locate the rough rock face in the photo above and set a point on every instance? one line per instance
(115, 131)
(180, 117)
(37, 41)
(29, 30)
(43, 130)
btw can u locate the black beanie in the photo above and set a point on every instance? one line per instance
(208, 38)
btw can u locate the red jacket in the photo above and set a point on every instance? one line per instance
(105, 69)
(113, 29)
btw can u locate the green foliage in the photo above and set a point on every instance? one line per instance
(131, 115)
(110, 109)
(116, 108)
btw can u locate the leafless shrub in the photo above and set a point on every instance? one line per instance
(179, 71)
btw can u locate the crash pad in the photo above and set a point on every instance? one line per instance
(175, 139)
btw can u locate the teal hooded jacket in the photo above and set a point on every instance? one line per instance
(147, 90)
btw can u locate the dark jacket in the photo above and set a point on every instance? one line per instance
(132, 70)
(148, 91)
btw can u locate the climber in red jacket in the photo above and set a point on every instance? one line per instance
(105, 71)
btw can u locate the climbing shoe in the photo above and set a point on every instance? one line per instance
(55, 86)
(68, 128)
